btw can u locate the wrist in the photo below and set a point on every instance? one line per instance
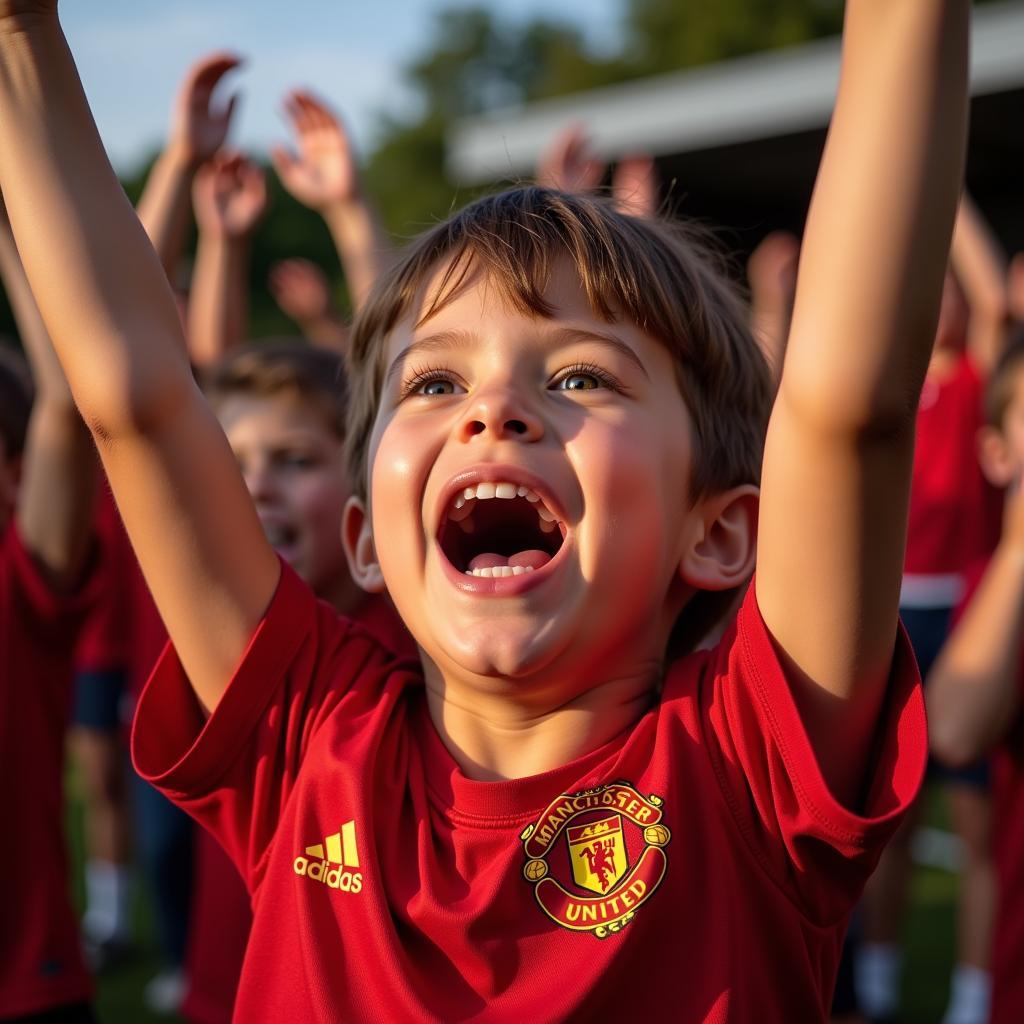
(179, 156)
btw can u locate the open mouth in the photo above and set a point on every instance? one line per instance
(499, 529)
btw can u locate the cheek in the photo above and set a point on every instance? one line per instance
(319, 501)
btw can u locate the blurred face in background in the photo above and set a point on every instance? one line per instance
(292, 464)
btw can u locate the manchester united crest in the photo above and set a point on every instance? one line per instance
(595, 857)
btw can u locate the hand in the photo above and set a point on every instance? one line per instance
(635, 186)
(324, 173)
(229, 196)
(197, 130)
(569, 165)
(300, 288)
(771, 269)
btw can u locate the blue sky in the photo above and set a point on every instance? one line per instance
(132, 57)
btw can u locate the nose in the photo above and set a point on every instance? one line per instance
(501, 415)
(260, 479)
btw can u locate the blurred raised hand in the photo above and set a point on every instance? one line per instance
(771, 274)
(635, 186)
(229, 195)
(323, 171)
(323, 174)
(569, 164)
(301, 290)
(199, 128)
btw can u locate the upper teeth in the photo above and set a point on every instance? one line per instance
(496, 490)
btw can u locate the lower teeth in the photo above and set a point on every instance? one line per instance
(500, 571)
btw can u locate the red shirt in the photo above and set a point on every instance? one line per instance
(104, 638)
(1008, 853)
(954, 516)
(697, 864)
(40, 958)
(221, 916)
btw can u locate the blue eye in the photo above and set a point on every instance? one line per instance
(579, 382)
(437, 387)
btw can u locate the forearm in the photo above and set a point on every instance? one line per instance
(973, 688)
(218, 305)
(881, 217)
(980, 266)
(47, 375)
(164, 207)
(100, 289)
(362, 244)
(837, 461)
(58, 489)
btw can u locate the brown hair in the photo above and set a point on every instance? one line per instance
(15, 403)
(651, 273)
(1000, 387)
(289, 368)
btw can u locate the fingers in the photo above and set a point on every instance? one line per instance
(209, 70)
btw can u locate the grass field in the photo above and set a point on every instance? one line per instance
(929, 943)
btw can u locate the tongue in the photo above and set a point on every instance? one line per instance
(488, 560)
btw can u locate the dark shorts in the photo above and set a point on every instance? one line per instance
(928, 629)
(99, 699)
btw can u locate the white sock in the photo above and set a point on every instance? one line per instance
(970, 995)
(877, 970)
(107, 901)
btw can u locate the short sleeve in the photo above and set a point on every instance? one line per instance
(235, 770)
(818, 850)
(46, 611)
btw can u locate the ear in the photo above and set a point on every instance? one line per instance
(721, 548)
(357, 539)
(997, 462)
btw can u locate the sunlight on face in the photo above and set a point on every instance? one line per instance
(569, 443)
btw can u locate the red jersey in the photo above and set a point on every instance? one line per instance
(954, 515)
(40, 959)
(1008, 853)
(221, 916)
(104, 639)
(696, 864)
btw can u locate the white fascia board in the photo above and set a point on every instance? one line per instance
(761, 96)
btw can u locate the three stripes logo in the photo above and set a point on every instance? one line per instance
(331, 862)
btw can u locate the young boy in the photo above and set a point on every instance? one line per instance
(555, 437)
(47, 481)
(974, 690)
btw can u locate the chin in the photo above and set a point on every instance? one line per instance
(502, 649)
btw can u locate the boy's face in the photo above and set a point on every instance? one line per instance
(293, 467)
(584, 414)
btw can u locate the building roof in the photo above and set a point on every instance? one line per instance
(780, 92)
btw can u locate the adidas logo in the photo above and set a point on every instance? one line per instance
(339, 850)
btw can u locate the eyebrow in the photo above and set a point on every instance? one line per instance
(455, 339)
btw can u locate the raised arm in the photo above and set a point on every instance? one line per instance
(108, 307)
(198, 130)
(980, 266)
(324, 177)
(230, 197)
(974, 686)
(301, 290)
(58, 483)
(840, 442)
